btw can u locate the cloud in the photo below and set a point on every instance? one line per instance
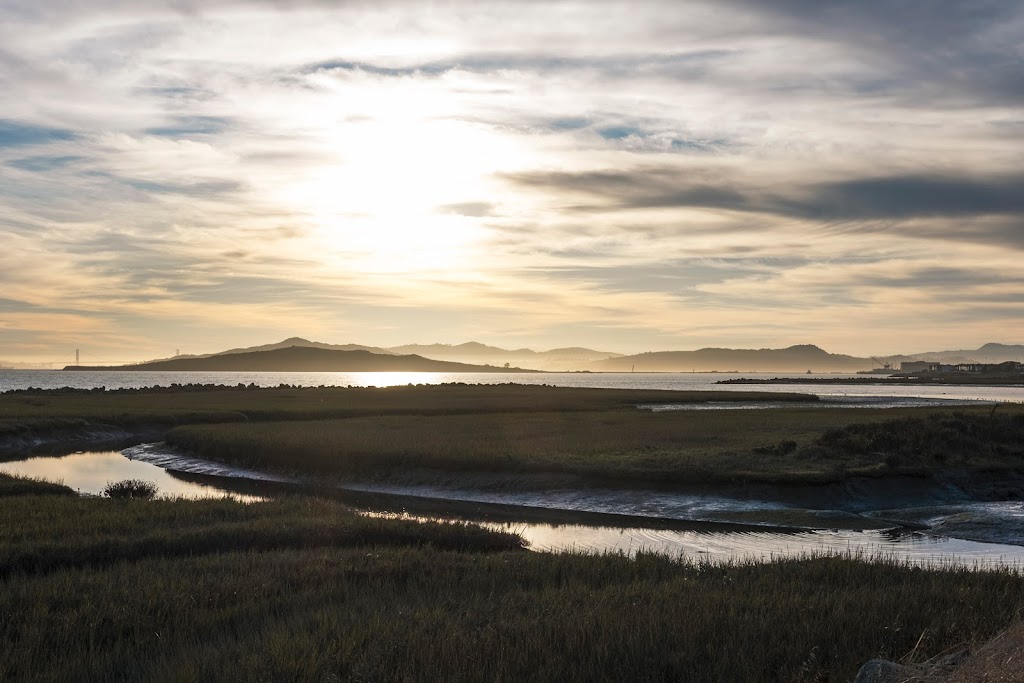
(624, 64)
(895, 197)
(913, 196)
(472, 209)
(978, 39)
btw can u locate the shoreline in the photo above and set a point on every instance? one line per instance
(879, 381)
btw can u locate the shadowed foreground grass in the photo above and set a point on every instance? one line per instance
(781, 445)
(301, 590)
(388, 610)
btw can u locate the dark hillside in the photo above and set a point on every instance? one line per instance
(306, 359)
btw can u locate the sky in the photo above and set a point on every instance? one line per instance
(626, 176)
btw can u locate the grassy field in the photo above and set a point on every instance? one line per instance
(302, 589)
(781, 445)
(59, 409)
(92, 589)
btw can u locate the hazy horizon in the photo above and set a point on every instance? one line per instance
(496, 357)
(622, 176)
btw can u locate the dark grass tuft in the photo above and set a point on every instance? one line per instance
(130, 489)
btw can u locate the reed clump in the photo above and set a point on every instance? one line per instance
(130, 489)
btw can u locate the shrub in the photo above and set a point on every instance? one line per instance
(130, 489)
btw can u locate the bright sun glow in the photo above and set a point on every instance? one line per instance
(407, 187)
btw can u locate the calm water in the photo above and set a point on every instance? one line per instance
(89, 472)
(700, 381)
(761, 546)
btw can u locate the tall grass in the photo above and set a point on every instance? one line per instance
(303, 590)
(426, 615)
(45, 534)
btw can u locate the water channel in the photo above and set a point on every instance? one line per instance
(597, 526)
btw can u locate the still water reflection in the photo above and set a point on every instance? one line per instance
(88, 473)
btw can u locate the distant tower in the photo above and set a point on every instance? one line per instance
(177, 352)
(76, 358)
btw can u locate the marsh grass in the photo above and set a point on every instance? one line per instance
(44, 534)
(53, 410)
(300, 589)
(303, 589)
(781, 445)
(924, 442)
(423, 614)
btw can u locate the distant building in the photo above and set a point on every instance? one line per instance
(1009, 367)
(970, 367)
(941, 367)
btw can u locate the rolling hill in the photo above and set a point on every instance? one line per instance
(798, 358)
(563, 359)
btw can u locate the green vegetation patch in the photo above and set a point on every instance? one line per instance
(783, 445)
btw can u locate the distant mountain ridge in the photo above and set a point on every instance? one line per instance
(287, 343)
(991, 352)
(299, 341)
(799, 358)
(568, 358)
(474, 353)
(305, 359)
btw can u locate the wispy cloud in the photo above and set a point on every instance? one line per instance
(861, 198)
